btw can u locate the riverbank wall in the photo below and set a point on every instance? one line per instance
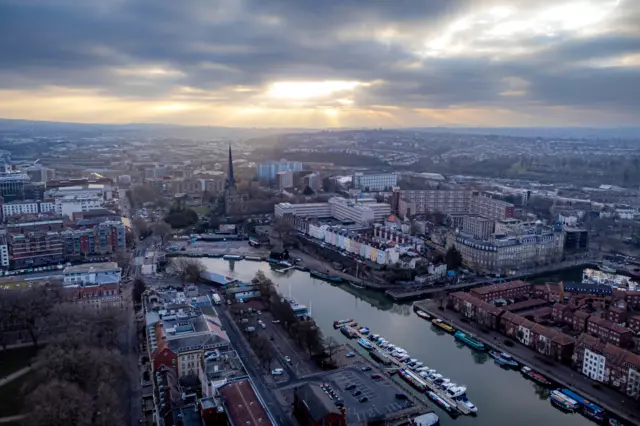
(609, 399)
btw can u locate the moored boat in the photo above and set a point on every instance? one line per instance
(365, 344)
(562, 401)
(441, 402)
(443, 325)
(462, 399)
(422, 314)
(412, 380)
(469, 340)
(326, 277)
(340, 323)
(364, 330)
(607, 269)
(503, 358)
(347, 331)
(589, 409)
(253, 258)
(535, 376)
(232, 257)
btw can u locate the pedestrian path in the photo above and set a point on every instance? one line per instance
(16, 375)
(10, 419)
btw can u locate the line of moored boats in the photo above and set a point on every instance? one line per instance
(564, 399)
(448, 395)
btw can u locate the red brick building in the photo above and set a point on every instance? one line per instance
(549, 292)
(634, 323)
(477, 310)
(580, 321)
(633, 299)
(312, 407)
(243, 405)
(162, 355)
(608, 364)
(508, 290)
(615, 314)
(609, 332)
(562, 313)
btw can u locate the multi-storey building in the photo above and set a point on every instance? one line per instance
(374, 181)
(26, 207)
(491, 208)
(107, 237)
(34, 249)
(267, 171)
(446, 201)
(478, 226)
(313, 181)
(12, 186)
(284, 179)
(509, 290)
(608, 364)
(609, 332)
(67, 205)
(92, 274)
(360, 211)
(503, 254)
(4, 252)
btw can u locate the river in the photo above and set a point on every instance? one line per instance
(503, 397)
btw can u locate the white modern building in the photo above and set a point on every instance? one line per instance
(92, 274)
(29, 207)
(69, 204)
(268, 171)
(594, 366)
(375, 181)
(284, 179)
(4, 253)
(362, 211)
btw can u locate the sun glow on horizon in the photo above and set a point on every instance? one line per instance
(309, 89)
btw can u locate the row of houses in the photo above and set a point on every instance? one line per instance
(595, 357)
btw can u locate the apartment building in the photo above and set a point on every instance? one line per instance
(446, 201)
(4, 252)
(374, 181)
(608, 364)
(483, 205)
(267, 171)
(284, 179)
(107, 237)
(67, 205)
(35, 248)
(303, 209)
(609, 332)
(503, 254)
(509, 290)
(478, 226)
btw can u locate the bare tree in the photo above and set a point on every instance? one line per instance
(140, 227)
(58, 403)
(139, 287)
(162, 230)
(30, 307)
(122, 258)
(265, 286)
(188, 269)
(331, 346)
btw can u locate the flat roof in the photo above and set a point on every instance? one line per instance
(99, 266)
(243, 405)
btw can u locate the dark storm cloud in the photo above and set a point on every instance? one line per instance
(216, 45)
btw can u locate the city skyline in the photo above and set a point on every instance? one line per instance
(334, 64)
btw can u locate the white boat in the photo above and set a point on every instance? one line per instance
(425, 368)
(434, 376)
(413, 360)
(465, 401)
(424, 374)
(456, 391)
(419, 364)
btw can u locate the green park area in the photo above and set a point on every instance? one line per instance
(12, 396)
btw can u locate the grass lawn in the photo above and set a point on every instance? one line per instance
(11, 396)
(14, 359)
(202, 210)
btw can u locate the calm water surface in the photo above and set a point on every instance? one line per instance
(503, 397)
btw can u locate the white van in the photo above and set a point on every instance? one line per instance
(277, 372)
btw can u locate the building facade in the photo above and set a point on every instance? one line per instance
(284, 179)
(374, 181)
(36, 248)
(92, 274)
(267, 171)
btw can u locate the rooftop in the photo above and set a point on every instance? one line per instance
(317, 401)
(243, 405)
(94, 267)
(500, 287)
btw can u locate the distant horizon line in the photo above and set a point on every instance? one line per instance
(212, 126)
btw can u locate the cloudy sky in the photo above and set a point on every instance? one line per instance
(322, 62)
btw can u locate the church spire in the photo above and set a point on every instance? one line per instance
(231, 181)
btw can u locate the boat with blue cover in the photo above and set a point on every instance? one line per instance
(365, 344)
(326, 277)
(563, 402)
(503, 358)
(589, 409)
(469, 340)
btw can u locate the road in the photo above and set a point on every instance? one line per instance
(241, 346)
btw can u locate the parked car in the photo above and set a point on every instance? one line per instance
(287, 359)
(350, 355)
(350, 386)
(363, 399)
(277, 371)
(357, 393)
(401, 395)
(365, 368)
(376, 376)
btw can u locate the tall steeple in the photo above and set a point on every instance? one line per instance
(231, 181)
